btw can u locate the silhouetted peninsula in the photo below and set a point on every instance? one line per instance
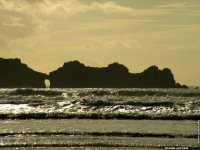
(76, 75)
(14, 74)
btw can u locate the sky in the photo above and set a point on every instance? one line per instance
(137, 33)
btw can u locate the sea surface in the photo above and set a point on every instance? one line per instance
(91, 103)
(94, 118)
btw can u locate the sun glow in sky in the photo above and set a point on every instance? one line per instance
(136, 33)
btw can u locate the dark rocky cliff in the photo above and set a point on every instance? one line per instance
(75, 74)
(14, 74)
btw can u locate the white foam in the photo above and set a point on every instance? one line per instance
(12, 108)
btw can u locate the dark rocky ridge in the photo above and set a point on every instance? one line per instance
(76, 75)
(14, 74)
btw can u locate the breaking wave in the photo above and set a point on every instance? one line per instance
(105, 92)
(27, 92)
(100, 103)
(132, 103)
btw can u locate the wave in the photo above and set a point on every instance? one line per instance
(157, 93)
(142, 92)
(103, 92)
(99, 115)
(107, 133)
(27, 92)
(99, 103)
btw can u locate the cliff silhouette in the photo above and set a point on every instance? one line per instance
(73, 74)
(14, 74)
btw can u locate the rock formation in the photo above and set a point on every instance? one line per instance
(76, 75)
(14, 74)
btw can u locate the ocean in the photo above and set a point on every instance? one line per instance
(94, 118)
(100, 103)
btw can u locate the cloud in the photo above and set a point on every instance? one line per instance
(30, 16)
(32, 21)
(111, 7)
(112, 44)
(179, 5)
(72, 7)
(18, 19)
(69, 7)
(181, 8)
(12, 21)
(21, 18)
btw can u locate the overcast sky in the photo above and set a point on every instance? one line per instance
(136, 33)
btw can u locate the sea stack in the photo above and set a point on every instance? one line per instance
(14, 74)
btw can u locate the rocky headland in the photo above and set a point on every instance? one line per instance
(14, 74)
(74, 74)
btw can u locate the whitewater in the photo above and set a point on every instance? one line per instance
(97, 103)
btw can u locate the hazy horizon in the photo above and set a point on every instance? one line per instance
(44, 34)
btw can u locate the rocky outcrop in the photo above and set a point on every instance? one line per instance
(76, 75)
(14, 74)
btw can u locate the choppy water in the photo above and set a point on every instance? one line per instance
(100, 103)
(36, 105)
